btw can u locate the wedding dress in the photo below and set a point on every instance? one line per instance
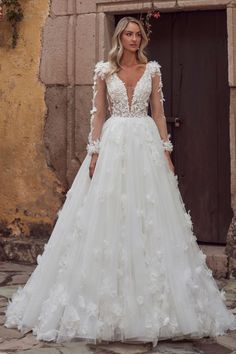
(122, 262)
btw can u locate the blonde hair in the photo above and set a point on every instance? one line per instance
(116, 51)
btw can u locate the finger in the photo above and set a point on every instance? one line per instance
(91, 171)
(93, 164)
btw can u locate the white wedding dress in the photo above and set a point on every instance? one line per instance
(122, 262)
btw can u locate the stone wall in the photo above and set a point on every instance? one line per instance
(30, 192)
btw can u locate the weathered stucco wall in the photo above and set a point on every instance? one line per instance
(30, 192)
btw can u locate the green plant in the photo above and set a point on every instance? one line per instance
(14, 14)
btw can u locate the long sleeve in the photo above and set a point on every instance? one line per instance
(98, 111)
(157, 108)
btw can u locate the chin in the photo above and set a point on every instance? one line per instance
(132, 49)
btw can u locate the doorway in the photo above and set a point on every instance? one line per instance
(191, 47)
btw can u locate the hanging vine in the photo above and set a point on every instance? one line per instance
(14, 14)
(146, 19)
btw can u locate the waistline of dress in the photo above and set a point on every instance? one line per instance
(129, 116)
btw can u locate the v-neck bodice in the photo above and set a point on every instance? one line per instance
(130, 97)
(109, 85)
(120, 104)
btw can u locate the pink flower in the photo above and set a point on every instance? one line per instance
(156, 14)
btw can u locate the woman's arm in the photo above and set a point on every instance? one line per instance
(98, 113)
(158, 114)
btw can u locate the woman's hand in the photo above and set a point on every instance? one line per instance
(93, 164)
(171, 166)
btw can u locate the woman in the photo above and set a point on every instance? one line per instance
(122, 262)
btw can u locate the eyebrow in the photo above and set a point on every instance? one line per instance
(132, 31)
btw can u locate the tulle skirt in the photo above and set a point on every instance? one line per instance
(122, 262)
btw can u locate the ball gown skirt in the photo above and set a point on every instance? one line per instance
(122, 262)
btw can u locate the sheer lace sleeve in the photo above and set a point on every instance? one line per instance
(98, 111)
(157, 108)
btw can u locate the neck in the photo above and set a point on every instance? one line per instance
(129, 58)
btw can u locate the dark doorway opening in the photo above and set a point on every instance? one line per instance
(191, 47)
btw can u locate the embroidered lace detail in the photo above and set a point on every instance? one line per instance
(167, 144)
(121, 105)
(93, 146)
(155, 68)
(98, 108)
(118, 97)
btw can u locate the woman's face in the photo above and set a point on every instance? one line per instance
(131, 37)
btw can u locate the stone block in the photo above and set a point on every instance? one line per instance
(106, 26)
(113, 6)
(73, 166)
(85, 49)
(227, 341)
(18, 345)
(122, 348)
(200, 4)
(21, 250)
(83, 105)
(131, 2)
(3, 278)
(53, 69)
(216, 260)
(58, 7)
(10, 333)
(8, 291)
(231, 29)
(233, 145)
(231, 239)
(55, 131)
(232, 268)
(15, 267)
(19, 279)
(167, 5)
(71, 50)
(47, 350)
(62, 7)
(85, 6)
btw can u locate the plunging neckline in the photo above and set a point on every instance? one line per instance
(134, 90)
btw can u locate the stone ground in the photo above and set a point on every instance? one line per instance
(12, 341)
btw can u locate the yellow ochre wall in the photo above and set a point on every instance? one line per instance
(30, 193)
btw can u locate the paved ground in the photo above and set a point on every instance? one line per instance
(12, 341)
